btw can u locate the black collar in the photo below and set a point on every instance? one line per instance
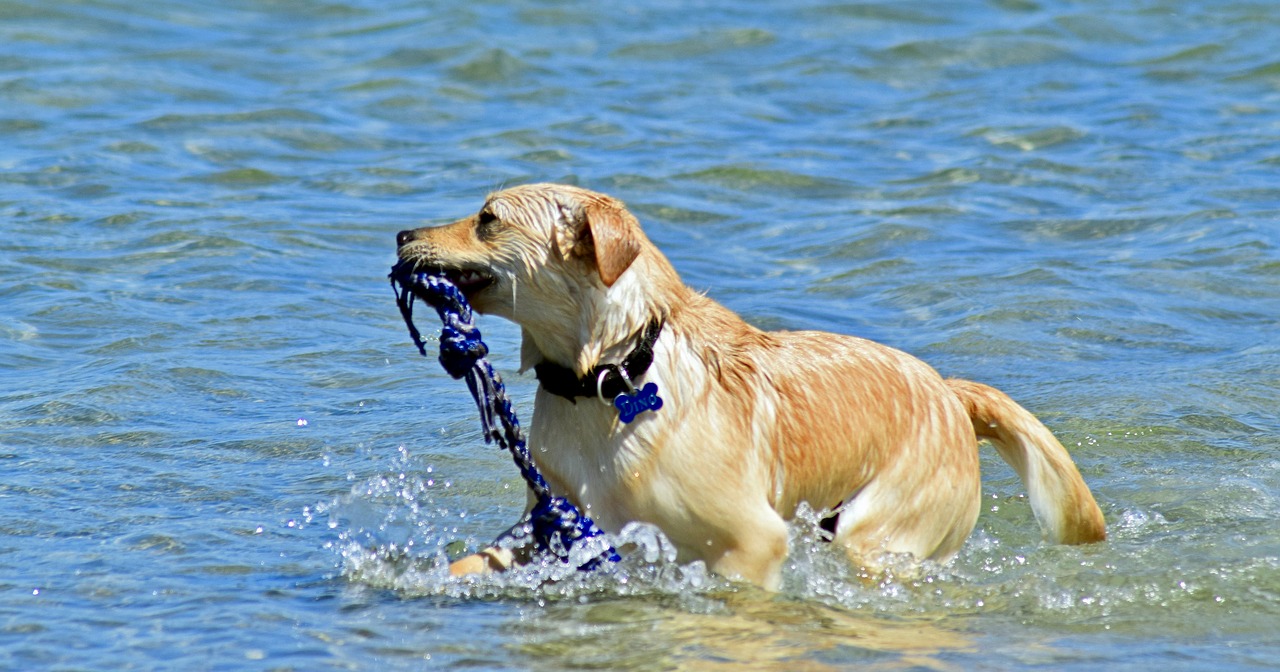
(559, 380)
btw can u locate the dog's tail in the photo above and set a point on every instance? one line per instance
(1061, 501)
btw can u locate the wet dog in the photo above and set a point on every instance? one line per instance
(750, 423)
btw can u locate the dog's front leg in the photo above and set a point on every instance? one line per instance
(754, 552)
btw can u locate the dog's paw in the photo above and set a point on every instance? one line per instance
(484, 562)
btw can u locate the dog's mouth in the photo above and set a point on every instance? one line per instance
(470, 281)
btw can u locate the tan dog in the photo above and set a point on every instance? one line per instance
(752, 423)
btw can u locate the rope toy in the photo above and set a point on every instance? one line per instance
(555, 523)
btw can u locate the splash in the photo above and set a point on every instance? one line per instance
(398, 534)
(398, 531)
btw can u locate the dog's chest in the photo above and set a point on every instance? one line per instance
(587, 454)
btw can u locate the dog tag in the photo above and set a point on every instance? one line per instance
(643, 399)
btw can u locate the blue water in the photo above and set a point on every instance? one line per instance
(219, 450)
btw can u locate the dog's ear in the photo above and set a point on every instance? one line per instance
(615, 236)
(606, 234)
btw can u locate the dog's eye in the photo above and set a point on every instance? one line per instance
(486, 224)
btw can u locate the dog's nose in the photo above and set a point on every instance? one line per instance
(404, 236)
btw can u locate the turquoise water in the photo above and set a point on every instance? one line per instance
(219, 450)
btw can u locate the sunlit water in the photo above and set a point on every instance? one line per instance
(219, 450)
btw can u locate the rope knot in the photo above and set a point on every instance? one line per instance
(460, 347)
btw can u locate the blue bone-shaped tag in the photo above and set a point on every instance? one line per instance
(631, 405)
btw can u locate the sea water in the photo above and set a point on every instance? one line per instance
(219, 450)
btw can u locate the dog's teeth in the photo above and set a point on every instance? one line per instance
(469, 277)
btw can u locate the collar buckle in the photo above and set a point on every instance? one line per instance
(622, 373)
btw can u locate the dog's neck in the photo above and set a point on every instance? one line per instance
(605, 380)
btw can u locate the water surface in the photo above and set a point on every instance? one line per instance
(219, 449)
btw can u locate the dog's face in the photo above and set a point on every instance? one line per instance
(530, 249)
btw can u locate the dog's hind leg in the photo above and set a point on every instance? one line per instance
(930, 521)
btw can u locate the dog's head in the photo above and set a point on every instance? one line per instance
(542, 255)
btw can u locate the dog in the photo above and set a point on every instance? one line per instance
(749, 424)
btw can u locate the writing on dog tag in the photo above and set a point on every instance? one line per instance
(631, 405)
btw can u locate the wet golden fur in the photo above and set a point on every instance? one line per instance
(754, 422)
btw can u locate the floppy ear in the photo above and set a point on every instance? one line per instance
(612, 235)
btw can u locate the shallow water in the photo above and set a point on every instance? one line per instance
(220, 450)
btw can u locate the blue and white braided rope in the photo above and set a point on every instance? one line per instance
(556, 524)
